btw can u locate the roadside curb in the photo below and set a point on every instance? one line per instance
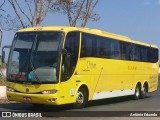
(3, 92)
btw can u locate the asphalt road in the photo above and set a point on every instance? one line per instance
(150, 103)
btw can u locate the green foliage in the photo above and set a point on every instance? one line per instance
(2, 81)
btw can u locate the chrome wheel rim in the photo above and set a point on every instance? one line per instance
(144, 91)
(80, 97)
(137, 92)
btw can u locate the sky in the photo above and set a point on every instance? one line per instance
(137, 19)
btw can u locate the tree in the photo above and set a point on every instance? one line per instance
(88, 12)
(37, 11)
(1, 10)
(82, 10)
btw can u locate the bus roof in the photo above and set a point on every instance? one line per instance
(86, 30)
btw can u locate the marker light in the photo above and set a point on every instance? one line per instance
(10, 89)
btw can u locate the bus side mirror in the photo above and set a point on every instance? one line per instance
(3, 52)
(64, 51)
(67, 60)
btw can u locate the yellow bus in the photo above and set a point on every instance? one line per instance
(63, 65)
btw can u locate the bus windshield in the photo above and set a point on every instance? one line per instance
(34, 57)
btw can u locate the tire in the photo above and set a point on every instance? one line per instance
(81, 98)
(137, 93)
(143, 92)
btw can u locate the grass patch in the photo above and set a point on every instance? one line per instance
(2, 81)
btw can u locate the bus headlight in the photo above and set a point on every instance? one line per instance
(10, 89)
(49, 91)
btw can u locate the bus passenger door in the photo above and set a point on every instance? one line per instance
(69, 62)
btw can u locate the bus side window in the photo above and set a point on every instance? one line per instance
(153, 55)
(87, 46)
(125, 51)
(136, 56)
(72, 47)
(115, 49)
(144, 54)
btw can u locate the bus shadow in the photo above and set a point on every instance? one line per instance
(50, 108)
(29, 107)
(110, 101)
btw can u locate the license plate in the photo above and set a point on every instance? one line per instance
(27, 99)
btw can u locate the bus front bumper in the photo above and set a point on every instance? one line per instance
(48, 99)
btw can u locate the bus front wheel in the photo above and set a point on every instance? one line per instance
(81, 98)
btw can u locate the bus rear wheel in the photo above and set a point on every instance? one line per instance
(81, 98)
(143, 91)
(137, 92)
